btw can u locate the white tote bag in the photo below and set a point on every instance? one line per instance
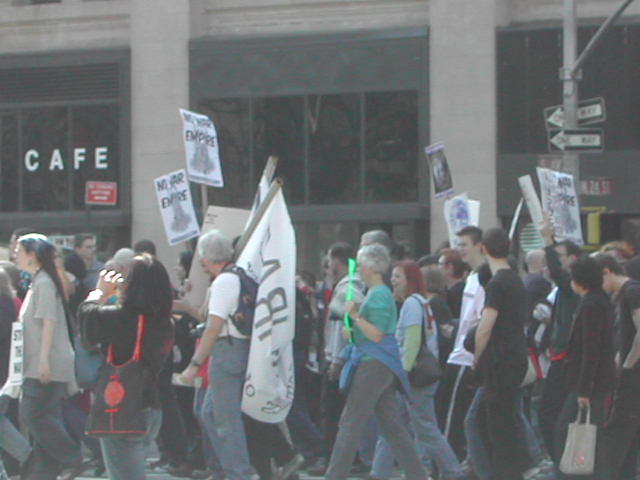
(579, 453)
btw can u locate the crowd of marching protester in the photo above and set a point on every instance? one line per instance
(471, 362)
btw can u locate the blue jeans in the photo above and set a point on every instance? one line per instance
(124, 457)
(208, 452)
(431, 444)
(41, 413)
(227, 368)
(475, 443)
(12, 441)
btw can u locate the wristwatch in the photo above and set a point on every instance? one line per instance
(194, 363)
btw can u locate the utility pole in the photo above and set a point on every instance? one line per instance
(571, 73)
(570, 84)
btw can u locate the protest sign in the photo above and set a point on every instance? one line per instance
(176, 207)
(516, 217)
(16, 356)
(270, 257)
(231, 222)
(460, 212)
(201, 149)
(531, 199)
(442, 182)
(559, 198)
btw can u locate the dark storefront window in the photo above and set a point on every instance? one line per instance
(47, 154)
(528, 65)
(332, 149)
(8, 169)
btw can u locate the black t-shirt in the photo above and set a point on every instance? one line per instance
(628, 301)
(506, 294)
(454, 298)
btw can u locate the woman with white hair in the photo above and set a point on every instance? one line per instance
(372, 373)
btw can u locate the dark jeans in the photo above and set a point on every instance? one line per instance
(41, 413)
(332, 405)
(568, 415)
(505, 439)
(75, 421)
(552, 402)
(172, 439)
(266, 441)
(454, 397)
(623, 427)
(304, 432)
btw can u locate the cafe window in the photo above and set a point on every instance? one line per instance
(48, 153)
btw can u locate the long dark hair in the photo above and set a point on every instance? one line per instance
(45, 254)
(147, 288)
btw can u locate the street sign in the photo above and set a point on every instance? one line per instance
(590, 111)
(576, 140)
(101, 193)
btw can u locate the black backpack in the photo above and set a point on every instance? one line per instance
(242, 319)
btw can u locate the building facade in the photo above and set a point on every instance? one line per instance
(347, 94)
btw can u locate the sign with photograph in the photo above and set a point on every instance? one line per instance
(558, 195)
(442, 181)
(176, 207)
(460, 212)
(201, 149)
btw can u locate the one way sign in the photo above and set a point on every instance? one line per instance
(590, 111)
(576, 140)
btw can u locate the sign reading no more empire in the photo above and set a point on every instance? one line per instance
(101, 193)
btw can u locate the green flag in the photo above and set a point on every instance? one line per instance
(347, 319)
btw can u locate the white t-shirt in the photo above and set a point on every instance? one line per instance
(223, 302)
(470, 313)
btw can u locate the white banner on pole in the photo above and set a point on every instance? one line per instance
(559, 198)
(460, 212)
(176, 207)
(231, 222)
(270, 257)
(201, 149)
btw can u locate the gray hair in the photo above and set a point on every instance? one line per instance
(124, 258)
(215, 247)
(376, 236)
(375, 257)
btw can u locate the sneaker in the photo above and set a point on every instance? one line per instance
(288, 469)
(531, 474)
(181, 471)
(318, 468)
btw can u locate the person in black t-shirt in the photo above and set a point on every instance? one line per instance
(501, 358)
(623, 426)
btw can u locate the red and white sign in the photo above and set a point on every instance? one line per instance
(101, 193)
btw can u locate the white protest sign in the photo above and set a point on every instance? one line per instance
(270, 257)
(440, 171)
(460, 212)
(16, 356)
(531, 199)
(231, 222)
(176, 207)
(559, 198)
(201, 149)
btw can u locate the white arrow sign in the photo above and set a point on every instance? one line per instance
(585, 139)
(589, 112)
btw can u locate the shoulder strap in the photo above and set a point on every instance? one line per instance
(137, 349)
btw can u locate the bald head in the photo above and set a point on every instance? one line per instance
(536, 261)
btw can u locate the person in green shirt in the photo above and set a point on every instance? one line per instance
(373, 385)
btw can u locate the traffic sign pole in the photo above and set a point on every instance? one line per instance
(570, 85)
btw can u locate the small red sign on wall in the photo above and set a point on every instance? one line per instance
(101, 193)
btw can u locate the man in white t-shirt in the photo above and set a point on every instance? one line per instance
(229, 352)
(458, 390)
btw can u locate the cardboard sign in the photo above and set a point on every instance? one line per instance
(531, 199)
(176, 207)
(101, 193)
(442, 181)
(231, 222)
(201, 149)
(559, 198)
(460, 212)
